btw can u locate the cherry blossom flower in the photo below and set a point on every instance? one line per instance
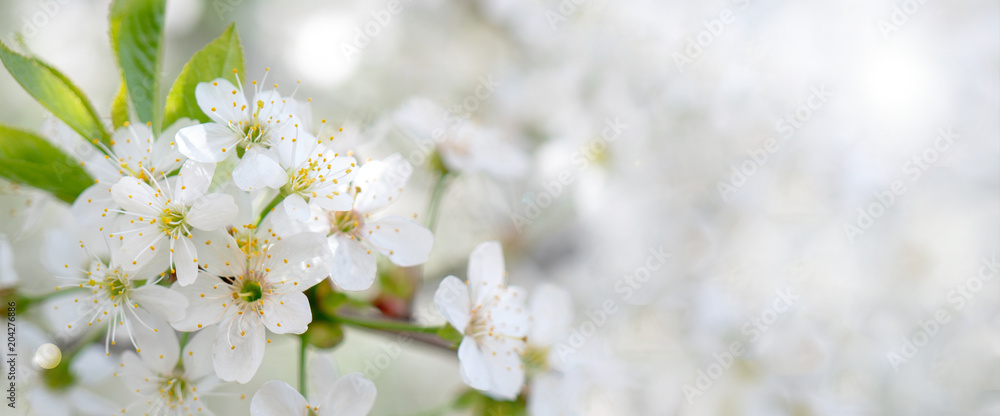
(161, 220)
(116, 298)
(260, 133)
(353, 234)
(493, 319)
(329, 395)
(168, 380)
(250, 285)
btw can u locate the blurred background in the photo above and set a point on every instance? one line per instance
(815, 183)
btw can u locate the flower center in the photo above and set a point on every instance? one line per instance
(345, 221)
(250, 291)
(536, 360)
(172, 221)
(300, 180)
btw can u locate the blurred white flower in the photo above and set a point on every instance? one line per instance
(245, 288)
(493, 319)
(464, 146)
(171, 382)
(329, 395)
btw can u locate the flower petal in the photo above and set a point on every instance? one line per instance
(452, 300)
(404, 241)
(197, 355)
(381, 182)
(219, 253)
(185, 260)
(472, 364)
(352, 266)
(301, 258)
(551, 315)
(221, 101)
(258, 169)
(296, 207)
(135, 196)
(206, 297)
(238, 349)
(287, 314)
(277, 398)
(209, 142)
(506, 373)
(193, 180)
(351, 395)
(486, 271)
(212, 212)
(161, 301)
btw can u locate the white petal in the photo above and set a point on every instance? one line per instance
(506, 372)
(472, 365)
(206, 297)
(185, 260)
(258, 169)
(193, 180)
(404, 241)
(94, 204)
(353, 266)
(381, 182)
(161, 301)
(277, 398)
(197, 355)
(333, 202)
(287, 314)
(219, 254)
(205, 142)
(486, 271)
(452, 300)
(546, 395)
(136, 196)
(212, 212)
(142, 246)
(159, 350)
(322, 374)
(296, 207)
(552, 315)
(221, 101)
(351, 395)
(137, 375)
(302, 257)
(239, 349)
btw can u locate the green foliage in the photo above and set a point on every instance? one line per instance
(119, 108)
(450, 334)
(218, 59)
(137, 40)
(29, 159)
(481, 404)
(56, 93)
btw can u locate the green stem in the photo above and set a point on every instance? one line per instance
(433, 207)
(302, 365)
(270, 206)
(383, 324)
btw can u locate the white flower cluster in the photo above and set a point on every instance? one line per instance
(201, 241)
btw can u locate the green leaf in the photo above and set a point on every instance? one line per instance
(119, 108)
(218, 59)
(450, 334)
(28, 159)
(137, 39)
(56, 93)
